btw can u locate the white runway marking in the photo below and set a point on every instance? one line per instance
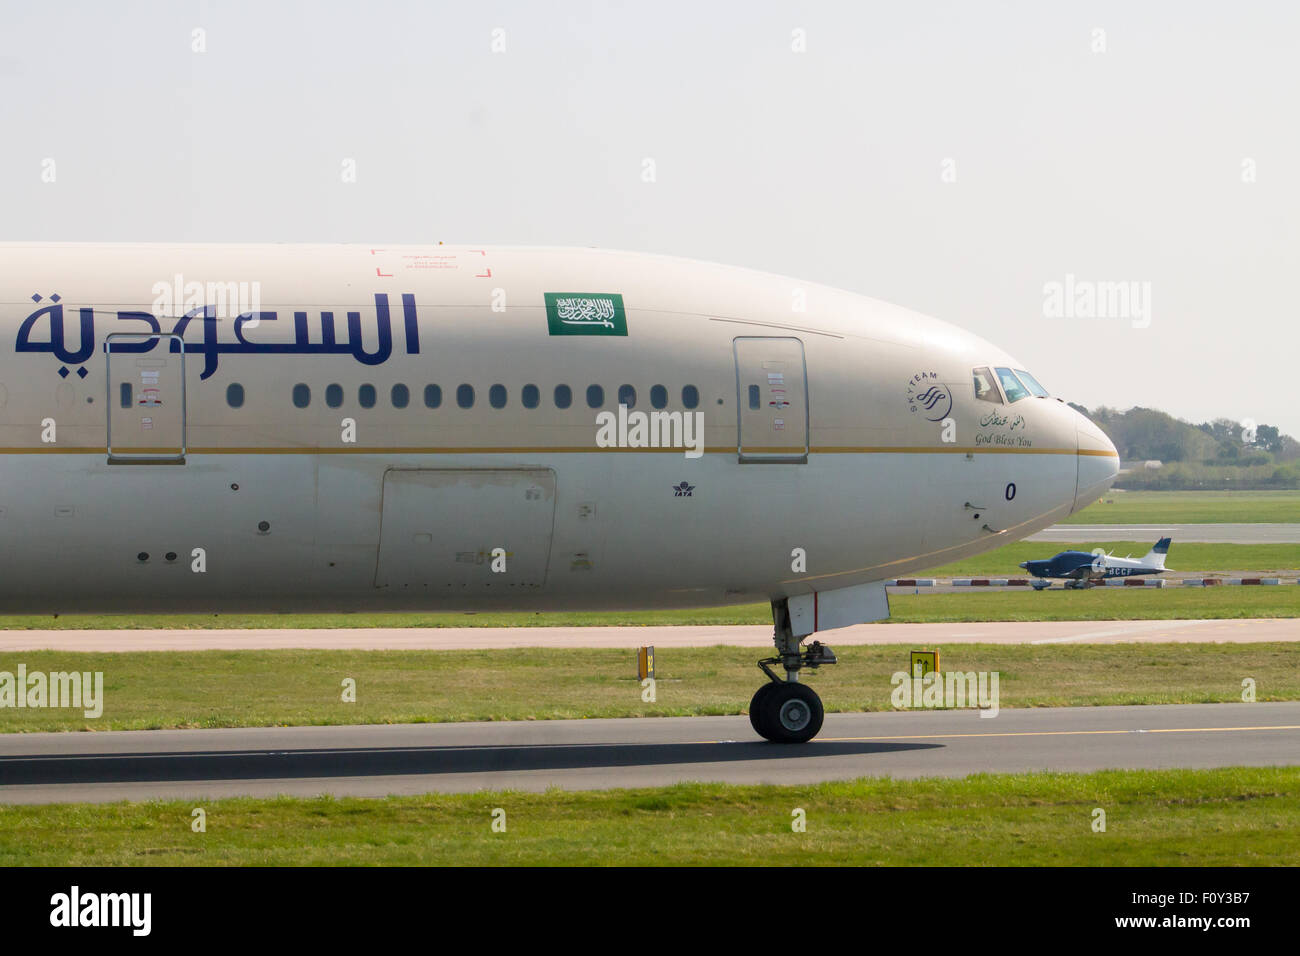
(1130, 629)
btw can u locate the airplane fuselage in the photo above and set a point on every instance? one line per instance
(421, 428)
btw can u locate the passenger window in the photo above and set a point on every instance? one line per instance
(366, 396)
(1011, 385)
(497, 396)
(401, 396)
(1031, 383)
(690, 396)
(235, 395)
(563, 396)
(627, 396)
(985, 390)
(301, 396)
(530, 396)
(432, 396)
(465, 396)
(595, 396)
(125, 392)
(334, 396)
(659, 396)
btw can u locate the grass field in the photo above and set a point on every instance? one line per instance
(1192, 507)
(1187, 556)
(149, 690)
(1230, 817)
(1097, 604)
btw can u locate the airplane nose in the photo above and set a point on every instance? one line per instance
(1023, 564)
(1098, 463)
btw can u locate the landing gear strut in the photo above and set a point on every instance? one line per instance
(786, 711)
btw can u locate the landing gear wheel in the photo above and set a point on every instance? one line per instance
(792, 713)
(757, 703)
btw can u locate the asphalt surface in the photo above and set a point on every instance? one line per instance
(382, 759)
(1203, 533)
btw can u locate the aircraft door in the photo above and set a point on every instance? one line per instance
(772, 400)
(146, 397)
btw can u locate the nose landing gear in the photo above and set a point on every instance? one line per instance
(786, 711)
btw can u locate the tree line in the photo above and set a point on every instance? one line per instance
(1222, 453)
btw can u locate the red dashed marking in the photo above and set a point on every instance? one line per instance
(383, 275)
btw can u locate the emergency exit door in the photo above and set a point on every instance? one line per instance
(146, 397)
(772, 393)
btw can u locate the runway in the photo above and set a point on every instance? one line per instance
(1246, 630)
(639, 752)
(1200, 533)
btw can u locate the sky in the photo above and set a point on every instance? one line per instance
(1109, 191)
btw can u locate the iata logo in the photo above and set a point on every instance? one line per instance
(929, 397)
(684, 490)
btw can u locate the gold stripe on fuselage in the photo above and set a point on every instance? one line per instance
(555, 450)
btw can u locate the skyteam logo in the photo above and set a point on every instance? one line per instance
(929, 397)
(585, 313)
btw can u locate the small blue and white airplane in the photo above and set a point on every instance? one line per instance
(1081, 569)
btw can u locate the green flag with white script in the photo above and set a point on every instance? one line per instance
(585, 313)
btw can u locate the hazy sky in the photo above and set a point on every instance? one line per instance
(953, 158)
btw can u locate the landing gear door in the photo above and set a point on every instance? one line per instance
(146, 398)
(772, 400)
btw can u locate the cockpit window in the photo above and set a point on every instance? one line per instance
(985, 390)
(1031, 383)
(1011, 385)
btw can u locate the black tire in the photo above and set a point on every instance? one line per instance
(792, 714)
(756, 707)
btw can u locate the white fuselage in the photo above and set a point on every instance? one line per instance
(313, 452)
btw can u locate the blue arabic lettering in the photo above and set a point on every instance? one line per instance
(56, 342)
(148, 342)
(212, 347)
